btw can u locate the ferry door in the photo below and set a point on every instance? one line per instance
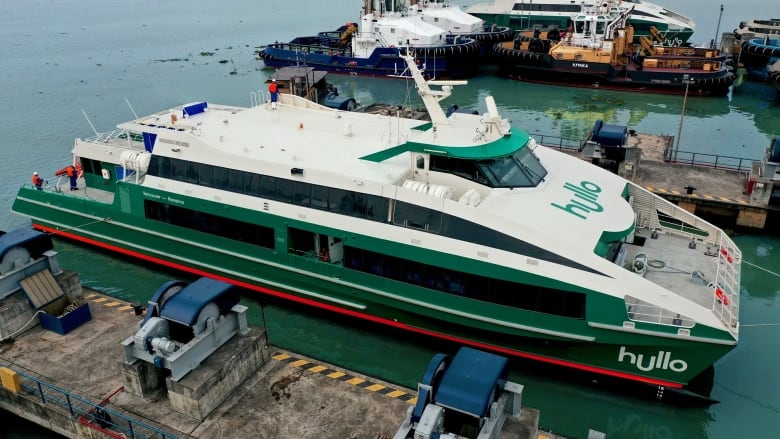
(336, 246)
(421, 167)
(329, 248)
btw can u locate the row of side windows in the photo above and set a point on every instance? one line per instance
(344, 202)
(574, 8)
(341, 201)
(212, 224)
(529, 297)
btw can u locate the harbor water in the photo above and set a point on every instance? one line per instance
(71, 65)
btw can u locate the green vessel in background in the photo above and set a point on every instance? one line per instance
(519, 15)
(460, 227)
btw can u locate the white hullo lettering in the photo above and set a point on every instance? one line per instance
(661, 361)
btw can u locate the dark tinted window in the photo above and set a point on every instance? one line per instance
(268, 187)
(212, 224)
(529, 297)
(416, 217)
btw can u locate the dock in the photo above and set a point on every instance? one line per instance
(703, 184)
(79, 385)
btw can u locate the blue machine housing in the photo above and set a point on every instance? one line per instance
(468, 383)
(609, 135)
(472, 381)
(185, 307)
(34, 241)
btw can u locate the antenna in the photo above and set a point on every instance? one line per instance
(89, 122)
(131, 109)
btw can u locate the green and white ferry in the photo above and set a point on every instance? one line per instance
(461, 227)
(675, 28)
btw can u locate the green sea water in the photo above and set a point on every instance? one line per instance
(60, 57)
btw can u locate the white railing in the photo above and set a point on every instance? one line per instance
(726, 285)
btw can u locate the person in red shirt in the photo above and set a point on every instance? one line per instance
(37, 181)
(274, 90)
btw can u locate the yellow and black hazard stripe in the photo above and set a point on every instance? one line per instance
(109, 302)
(363, 383)
(663, 191)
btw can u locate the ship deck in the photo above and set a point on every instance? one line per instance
(685, 266)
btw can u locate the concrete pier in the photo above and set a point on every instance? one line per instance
(79, 385)
(698, 188)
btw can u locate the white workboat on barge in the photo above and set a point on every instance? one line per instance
(460, 228)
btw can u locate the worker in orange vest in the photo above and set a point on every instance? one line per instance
(73, 177)
(37, 181)
(274, 90)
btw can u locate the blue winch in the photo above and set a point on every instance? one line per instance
(469, 394)
(184, 324)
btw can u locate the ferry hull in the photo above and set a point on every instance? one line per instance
(659, 361)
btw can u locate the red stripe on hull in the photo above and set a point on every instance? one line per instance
(363, 316)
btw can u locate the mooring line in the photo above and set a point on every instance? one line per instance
(58, 231)
(761, 268)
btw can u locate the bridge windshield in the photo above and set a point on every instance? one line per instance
(521, 169)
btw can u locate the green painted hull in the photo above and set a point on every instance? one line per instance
(122, 227)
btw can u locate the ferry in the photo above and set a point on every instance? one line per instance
(460, 227)
(556, 14)
(757, 28)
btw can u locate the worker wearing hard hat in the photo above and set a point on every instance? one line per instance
(37, 181)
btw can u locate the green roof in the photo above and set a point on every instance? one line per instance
(502, 147)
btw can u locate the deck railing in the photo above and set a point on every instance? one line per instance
(660, 215)
(714, 161)
(568, 144)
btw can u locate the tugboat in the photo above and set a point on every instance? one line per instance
(597, 51)
(374, 46)
(761, 57)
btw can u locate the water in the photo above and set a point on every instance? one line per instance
(61, 57)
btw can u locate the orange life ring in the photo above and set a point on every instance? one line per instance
(726, 255)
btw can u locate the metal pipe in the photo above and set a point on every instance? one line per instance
(717, 29)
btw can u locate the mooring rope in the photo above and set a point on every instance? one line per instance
(761, 268)
(58, 231)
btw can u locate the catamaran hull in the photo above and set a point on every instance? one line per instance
(665, 362)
